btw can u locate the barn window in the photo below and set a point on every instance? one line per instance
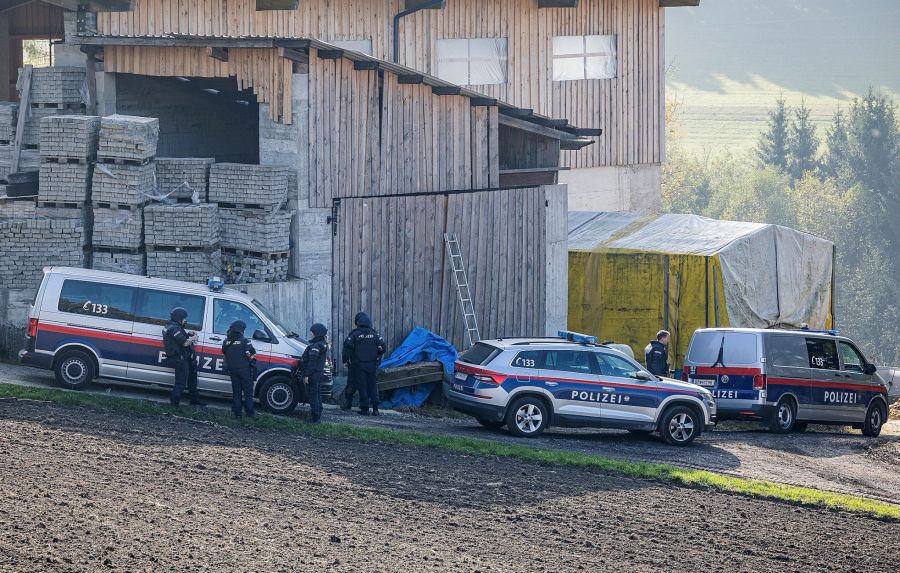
(361, 46)
(472, 61)
(584, 57)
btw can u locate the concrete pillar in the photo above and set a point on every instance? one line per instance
(7, 81)
(67, 54)
(617, 188)
(106, 93)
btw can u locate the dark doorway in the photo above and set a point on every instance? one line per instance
(198, 117)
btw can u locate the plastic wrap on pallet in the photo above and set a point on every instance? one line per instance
(130, 263)
(118, 228)
(128, 137)
(244, 184)
(242, 268)
(182, 224)
(183, 177)
(124, 184)
(256, 230)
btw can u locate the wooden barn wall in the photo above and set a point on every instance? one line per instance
(630, 108)
(389, 260)
(262, 69)
(398, 139)
(36, 20)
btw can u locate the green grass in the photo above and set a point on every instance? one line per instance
(471, 446)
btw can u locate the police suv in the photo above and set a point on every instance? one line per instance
(86, 324)
(528, 384)
(788, 378)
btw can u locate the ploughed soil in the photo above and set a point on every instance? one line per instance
(84, 490)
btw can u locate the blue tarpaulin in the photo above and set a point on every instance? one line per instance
(421, 345)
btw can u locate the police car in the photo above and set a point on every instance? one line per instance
(788, 378)
(86, 324)
(529, 384)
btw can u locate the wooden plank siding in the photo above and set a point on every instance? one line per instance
(36, 20)
(371, 135)
(389, 261)
(629, 108)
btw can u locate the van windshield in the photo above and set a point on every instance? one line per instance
(280, 327)
(739, 348)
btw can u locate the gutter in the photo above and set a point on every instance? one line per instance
(400, 15)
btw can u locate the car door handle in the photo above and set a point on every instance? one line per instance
(552, 383)
(608, 389)
(215, 339)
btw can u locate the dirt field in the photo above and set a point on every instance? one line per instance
(89, 491)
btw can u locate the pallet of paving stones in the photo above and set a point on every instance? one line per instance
(121, 186)
(118, 229)
(16, 207)
(69, 137)
(181, 249)
(245, 186)
(261, 231)
(184, 265)
(247, 269)
(178, 178)
(28, 245)
(9, 116)
(29, 160)
(123, 161)
(131, 261)
(128, 138)
(182, 224)
(58, 85)
(66, 181)
(267, 256)
(31, 135)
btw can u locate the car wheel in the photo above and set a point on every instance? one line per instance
(874, 421)
(74, 370)
(784, 417)
(800, 426)
(528, 417)
(491, 424)
(679, 426)
(278, 395)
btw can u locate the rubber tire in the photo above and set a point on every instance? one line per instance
(516, 405)
(71, 358)
(800, 426)
(869, 428)
(666, 419)
(273, 385)
(491, 424)
(775, 425)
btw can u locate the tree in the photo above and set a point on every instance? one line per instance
(834, 161)
(772, 148)
(803, 144)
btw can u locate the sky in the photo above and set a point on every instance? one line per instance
(729, 60)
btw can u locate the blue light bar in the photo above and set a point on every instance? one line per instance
(831, 332)
(215, 284)
(577, 337)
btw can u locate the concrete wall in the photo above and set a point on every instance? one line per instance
(15, 304)
(557, 260)
(630, 188)
(192, 123)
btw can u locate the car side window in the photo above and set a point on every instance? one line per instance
(528, 359)
(788, 351)
(611, 365)
(853, 360)
(578, 361)
(227, 311)
(97, 299)
(155, 307)
(822, 354)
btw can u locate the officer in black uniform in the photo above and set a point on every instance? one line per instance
(240, 363)
(656, 354)
(179, 348)
(312, 369)
(362, 354)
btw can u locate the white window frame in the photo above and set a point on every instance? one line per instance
(584, 55)
(502, 61)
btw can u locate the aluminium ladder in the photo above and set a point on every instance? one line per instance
(461, 280)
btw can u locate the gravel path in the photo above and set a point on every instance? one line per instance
(826, 458)
(90, 491)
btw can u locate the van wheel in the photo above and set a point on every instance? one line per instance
(74, 370)
(874, 421)
(784, 417)
(679, 426)
(278, 395)
(527, 417)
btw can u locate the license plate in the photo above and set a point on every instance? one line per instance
(458, 387)
(707, 382)
(462, 376)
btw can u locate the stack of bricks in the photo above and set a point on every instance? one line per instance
(183, 241)
(28, 245)
(179, 178)
(68, 147)
(9, 115)
(255, 228)
(57, 90)
(123, 183)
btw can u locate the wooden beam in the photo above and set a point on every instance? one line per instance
(175, 42)
(365, 65)
(10, 4)
(424, 4)
(330, 54)
(557, 3)
(588, 131)
(410, 79)
(550, 122)
(94, 5)
(482, 101)
(215, 53)
(24, 106)
(277, 5)
(446, 90)
(678, 3)
(517, 112)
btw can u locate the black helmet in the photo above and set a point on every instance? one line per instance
(318, 329)
(179, 314)
(362, 319)
(238, 326)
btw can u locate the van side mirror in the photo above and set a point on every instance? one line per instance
(645, 376)
(870, 369)
(261, 335)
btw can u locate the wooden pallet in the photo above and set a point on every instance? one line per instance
(117, 250)
(68, 160)
(63, 204)
(266, 256)
(180, 249)
(410, 375)
(121, 206)
(122, 161)
(66, 105)
(247, 206)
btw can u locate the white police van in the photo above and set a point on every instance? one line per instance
(788, 378)
(86, 324)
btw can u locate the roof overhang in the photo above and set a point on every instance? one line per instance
(570, 136)
(678, 3)
(75, 5)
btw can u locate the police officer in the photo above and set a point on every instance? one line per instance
(240, 363)
(312, 369)
(363, 350)
(179, 347)
(656, 354)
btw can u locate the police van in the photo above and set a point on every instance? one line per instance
(529, 384)
(86, 324)
(788, 378)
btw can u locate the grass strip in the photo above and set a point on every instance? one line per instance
(473, 446)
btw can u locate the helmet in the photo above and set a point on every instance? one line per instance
(318, 329)
(179, 314)
(238, 326)
(362, 319)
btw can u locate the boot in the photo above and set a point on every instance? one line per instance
(364, 412)
(374, 411)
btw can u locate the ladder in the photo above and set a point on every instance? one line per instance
(461, 280)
